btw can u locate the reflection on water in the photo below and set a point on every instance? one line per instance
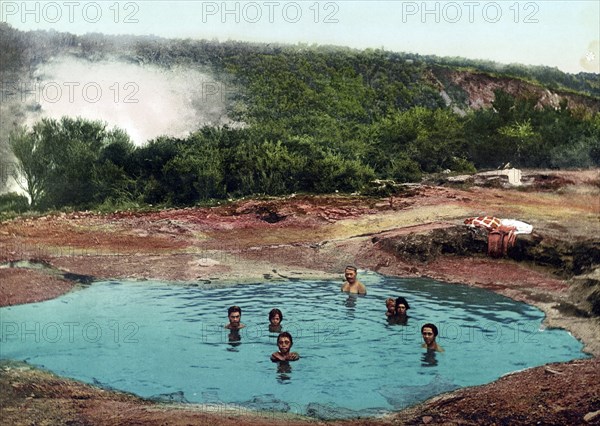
(351, 301)
(234, 339)
(398, 320)
(275, 328)
(284, 372)
(428, 359)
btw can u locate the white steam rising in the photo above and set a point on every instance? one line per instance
(146, 101)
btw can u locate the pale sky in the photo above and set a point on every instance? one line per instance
(557, 33)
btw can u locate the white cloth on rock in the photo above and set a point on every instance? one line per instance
(520, 227)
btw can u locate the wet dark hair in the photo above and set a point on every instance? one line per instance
(286, 334)
(351, 267)
(433, 328)
(234, 308)
(274, 312)
(402, 301)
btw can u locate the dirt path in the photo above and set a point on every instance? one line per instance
(310, 237)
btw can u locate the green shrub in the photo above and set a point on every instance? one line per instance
(13, 202)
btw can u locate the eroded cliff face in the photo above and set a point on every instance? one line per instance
(475, 90)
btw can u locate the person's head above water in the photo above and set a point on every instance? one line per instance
(350, 273)
(275, 317)
(429, 332)
(352, 285)
(391, 306)
(234, 314)
(281, 339)
(233, 309)
(284, 344)
(401, 306)
(432, 328)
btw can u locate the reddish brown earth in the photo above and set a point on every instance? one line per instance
(308, 237)
(27, 286)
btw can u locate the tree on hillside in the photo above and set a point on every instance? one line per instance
(59, 160)
(406, 143)
(113, 170)
(74, 147)
(195, 173)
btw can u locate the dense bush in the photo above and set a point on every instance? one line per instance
(78, 163)
(13, 202)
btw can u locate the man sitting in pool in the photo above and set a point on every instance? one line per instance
(275, 318)
(429, 332)
(234, 313)
(352, 285)
(284, 343)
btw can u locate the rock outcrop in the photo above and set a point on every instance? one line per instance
(577, 260)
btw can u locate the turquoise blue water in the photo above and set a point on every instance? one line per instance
(168, 342)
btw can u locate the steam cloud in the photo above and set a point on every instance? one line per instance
(146, 101)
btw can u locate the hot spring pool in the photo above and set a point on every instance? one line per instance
(161, 340)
